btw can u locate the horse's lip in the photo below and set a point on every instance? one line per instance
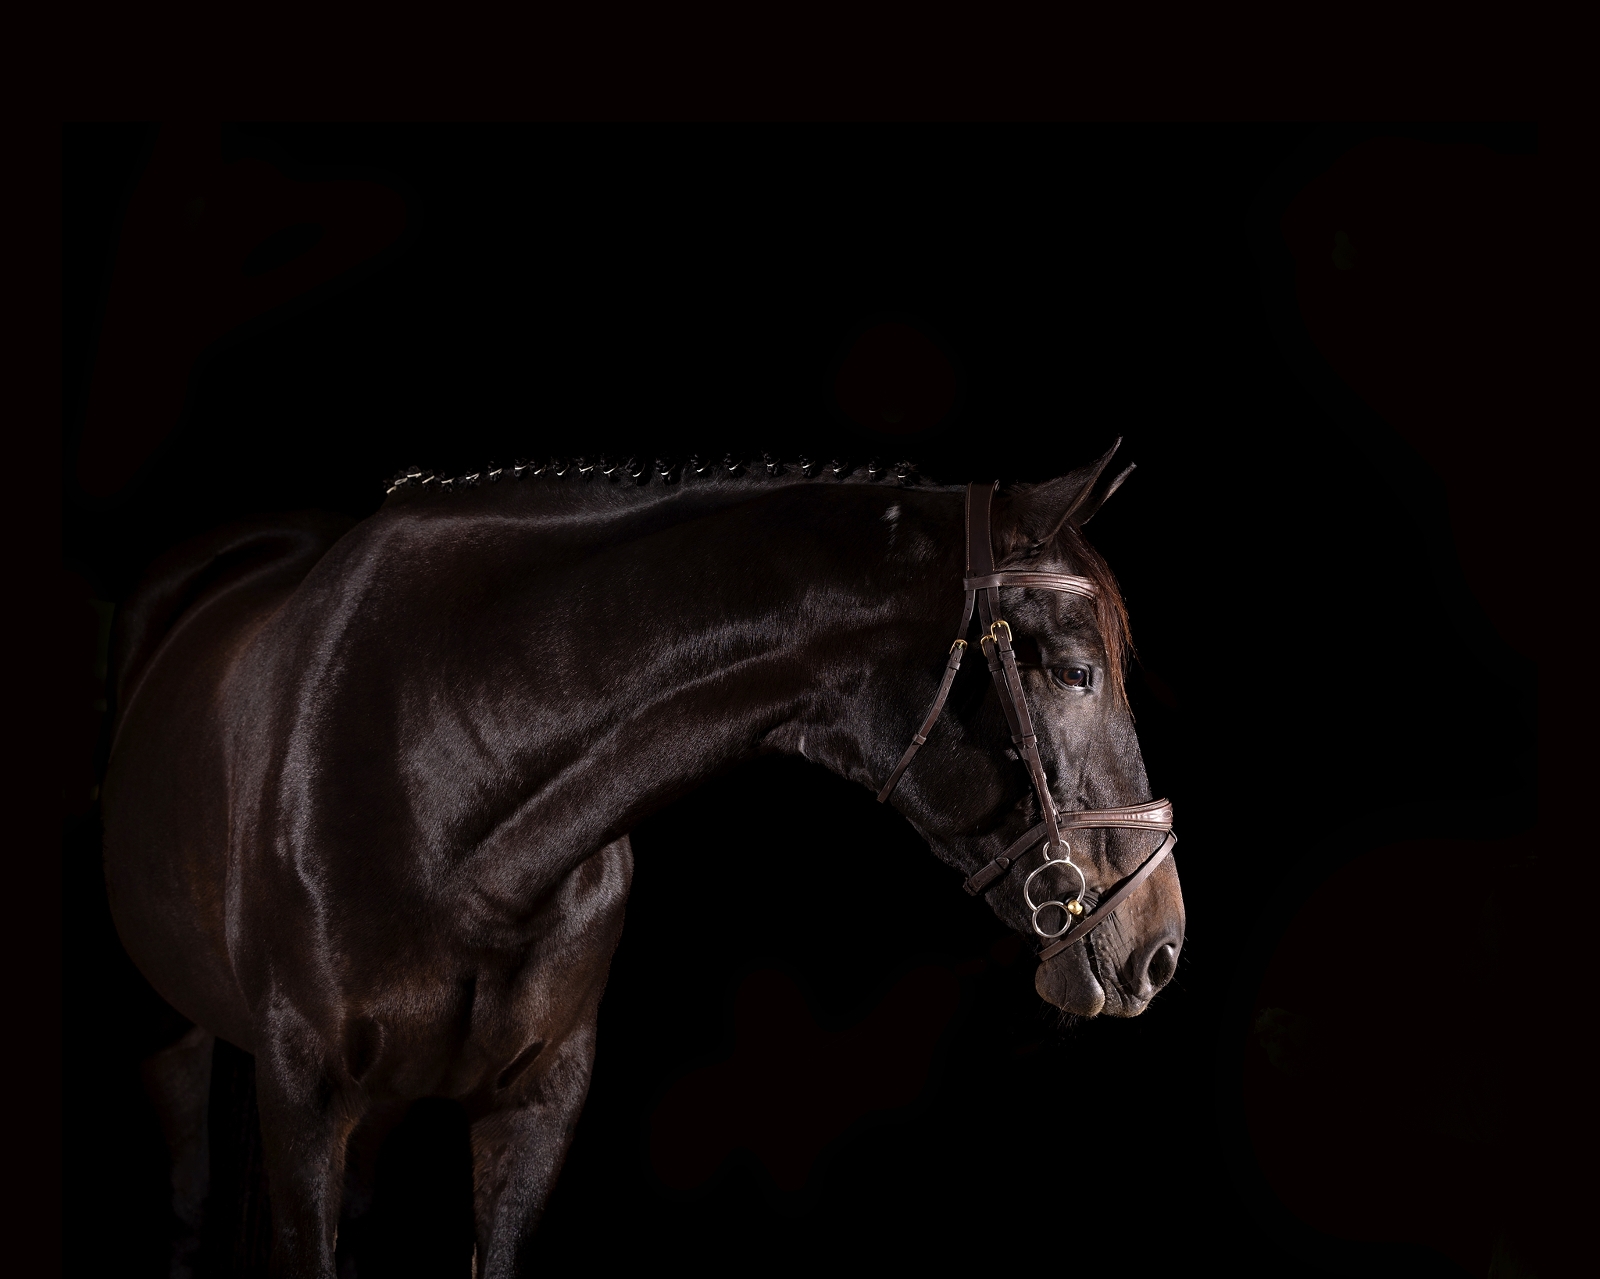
(1096, 988)
(1099, 990)
(1128, 1004)
(1131, 1004)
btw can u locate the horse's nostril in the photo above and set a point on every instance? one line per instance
(1162, 965)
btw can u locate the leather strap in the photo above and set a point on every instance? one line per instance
(977, 545)
(997, 647)
(1008, 680)
(1156, 815)
(980, 551)
(921, 735)
(982, 878)
(1066, 583)
(1109, 903)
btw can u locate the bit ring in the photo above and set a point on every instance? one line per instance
(1077, 897)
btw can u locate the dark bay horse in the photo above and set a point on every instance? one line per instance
(368, 801)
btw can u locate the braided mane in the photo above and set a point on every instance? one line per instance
(634, 473)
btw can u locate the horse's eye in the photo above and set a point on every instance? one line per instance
(1070, 676)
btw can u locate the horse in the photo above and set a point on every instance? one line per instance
(370, 785)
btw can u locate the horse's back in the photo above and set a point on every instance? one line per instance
(165, 795)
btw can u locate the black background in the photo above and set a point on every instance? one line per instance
(563, 291)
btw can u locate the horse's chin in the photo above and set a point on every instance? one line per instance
(1069, 983)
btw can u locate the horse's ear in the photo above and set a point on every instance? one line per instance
(1034, 515)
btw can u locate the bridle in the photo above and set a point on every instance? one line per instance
(1086, 909)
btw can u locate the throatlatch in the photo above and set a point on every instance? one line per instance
(1086, 909)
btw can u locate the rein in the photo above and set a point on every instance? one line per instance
(1088, 908)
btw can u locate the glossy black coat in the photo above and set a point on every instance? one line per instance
(368, 803)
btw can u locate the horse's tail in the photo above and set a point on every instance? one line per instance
(281, 547)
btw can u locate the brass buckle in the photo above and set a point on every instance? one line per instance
(995, 628)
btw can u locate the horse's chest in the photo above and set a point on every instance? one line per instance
(485, 1020)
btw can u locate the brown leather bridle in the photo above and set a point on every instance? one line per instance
(1087, 909)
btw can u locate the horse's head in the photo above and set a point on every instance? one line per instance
(969, 794)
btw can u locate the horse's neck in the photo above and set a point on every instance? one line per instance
(649, 665)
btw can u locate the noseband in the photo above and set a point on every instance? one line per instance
(1086, 909)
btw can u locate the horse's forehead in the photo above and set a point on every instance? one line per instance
(1066, 607)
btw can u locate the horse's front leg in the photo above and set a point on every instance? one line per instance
(308, 1110)
(522, 1127)
(517, 1152)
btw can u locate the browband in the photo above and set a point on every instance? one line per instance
(1063, 582)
